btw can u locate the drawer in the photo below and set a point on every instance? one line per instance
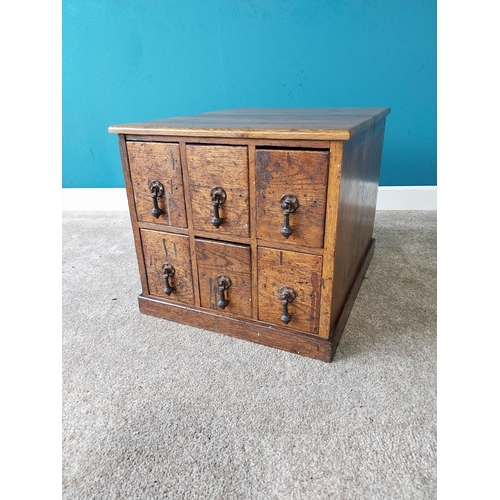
(224, 275)
(302, 175)
(155, 168)
(168, 265)
(298, 271)
(226, 168)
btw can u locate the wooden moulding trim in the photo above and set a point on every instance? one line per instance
(230, 141)
(209, 235)
(340, 324)
(252, 176)
(330, 232)
(319, 135)
(163, 227)
(189, 217)
(261, 333)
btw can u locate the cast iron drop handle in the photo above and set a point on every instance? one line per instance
(156, 188)
(223, 283)
(287, 294)
(168, 271)
(218, 196)
(289, 203)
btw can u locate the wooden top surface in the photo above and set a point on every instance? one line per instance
(256, 123)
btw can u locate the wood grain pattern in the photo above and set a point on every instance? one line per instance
(285, 143)
(328, 157)
(160, 247)
(356, 208)
(235, 262)
(302, 272)
(157, 161)
(253, 232)
(227, 167)
(122, 144)
(310, 346)
(330, 240)
(262, 123)
(299, 172)
(194, 266)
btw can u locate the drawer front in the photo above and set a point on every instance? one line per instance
(301, 174)
(298, 271)
(155, 168)
(168, 265)
(224, 167)
(230, 261)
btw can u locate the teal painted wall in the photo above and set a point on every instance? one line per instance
(135, 60)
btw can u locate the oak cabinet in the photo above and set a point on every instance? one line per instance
(255, 223)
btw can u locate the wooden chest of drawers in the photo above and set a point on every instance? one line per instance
(255, 223)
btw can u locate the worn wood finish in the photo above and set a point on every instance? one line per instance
(302, 173)
(253, 233)
(194, 266)
(330, 240)
(161, 162)
(292, 293)
(310, 346)
(122, 144)
(219, 166)
(356, 208)
(160, 248)
(264, 123)
(302, 272)
(231, 141)
(234, 261)
(345, 309)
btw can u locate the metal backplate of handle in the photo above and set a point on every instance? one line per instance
(168, 272)
(157, 190)
(218, 196)
(287, 294)
(223, 284)
(289, 203)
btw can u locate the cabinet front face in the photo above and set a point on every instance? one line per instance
(225, 277)
(155, 169)
(168, 265)
(218, 188)
(289, 289)
(291, 195)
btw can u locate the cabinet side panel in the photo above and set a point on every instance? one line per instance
(356, 213)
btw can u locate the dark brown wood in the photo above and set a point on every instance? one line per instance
(231, 141)
(260, 332)
(165, 248)
(157, 163)
(154, 227)
(194, 266)
(226, 167)
(302, 272)
(268, 123)
(348, 304)
(278, 221)
(133, 213)
(215, 258)
(356, 208)
(301, 174)
(310, 346)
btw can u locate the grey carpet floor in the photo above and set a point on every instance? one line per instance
(154, 409)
